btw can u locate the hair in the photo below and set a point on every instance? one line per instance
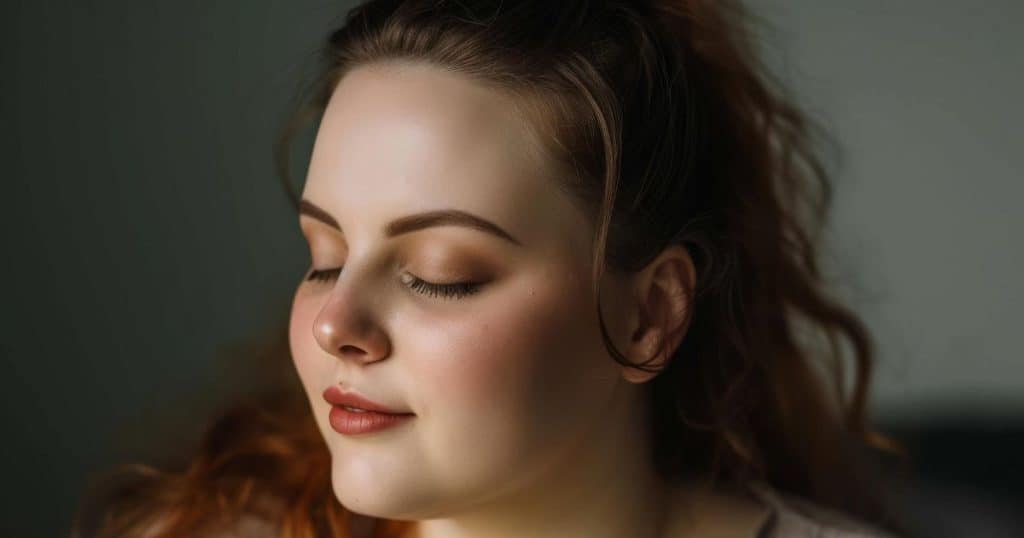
(669, 131)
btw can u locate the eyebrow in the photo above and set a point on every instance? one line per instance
(417, 221)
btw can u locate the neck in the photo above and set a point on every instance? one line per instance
(605, 486)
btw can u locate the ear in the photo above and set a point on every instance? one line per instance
(661, 304)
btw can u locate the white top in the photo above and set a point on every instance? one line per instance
(795, 517)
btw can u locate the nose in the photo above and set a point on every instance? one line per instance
(346, 329)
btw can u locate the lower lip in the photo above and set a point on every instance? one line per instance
(351, 422)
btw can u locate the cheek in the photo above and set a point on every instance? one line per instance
(516, 378)
(306, 353)
(513, 355)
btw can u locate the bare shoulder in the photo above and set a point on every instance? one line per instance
(795, 517)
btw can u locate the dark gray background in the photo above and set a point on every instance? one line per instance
(145, 233)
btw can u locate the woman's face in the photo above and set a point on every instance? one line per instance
(504, 380)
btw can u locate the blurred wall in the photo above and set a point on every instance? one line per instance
(145, 231)
(924, 97)
(144, 227)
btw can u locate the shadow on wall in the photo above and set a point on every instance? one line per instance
(967, 478)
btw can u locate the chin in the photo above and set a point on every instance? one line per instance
(384, 493)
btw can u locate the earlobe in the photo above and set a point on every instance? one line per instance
(663, 292)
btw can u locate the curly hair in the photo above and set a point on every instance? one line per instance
(670, 130)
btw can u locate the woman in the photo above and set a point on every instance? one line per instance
(563, 283)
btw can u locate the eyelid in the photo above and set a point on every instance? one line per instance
(323, 234)
(323, 275)
(452, 290)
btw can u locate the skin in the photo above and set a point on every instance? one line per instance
(524, 424)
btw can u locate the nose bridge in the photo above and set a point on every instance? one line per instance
(348, 325)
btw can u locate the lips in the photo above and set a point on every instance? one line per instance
(352, 414)
(335, 396)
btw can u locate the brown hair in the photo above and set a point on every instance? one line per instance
(670, 131)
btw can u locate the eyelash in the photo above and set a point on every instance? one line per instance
(447, 291)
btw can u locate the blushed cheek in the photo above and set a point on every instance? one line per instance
(304, 348)
(507, 367)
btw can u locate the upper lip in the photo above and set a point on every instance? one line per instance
(335, 396)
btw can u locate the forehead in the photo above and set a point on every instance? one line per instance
(400, 138)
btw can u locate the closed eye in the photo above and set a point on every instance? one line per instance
(325, 275)
(455, 290)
